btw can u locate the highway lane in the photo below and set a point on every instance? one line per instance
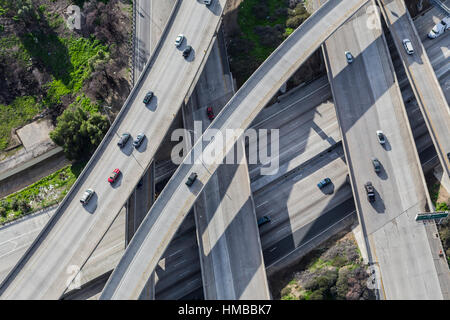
(422, 78)
(72, 235)
(159, 226)
(167, 287)
(306, 128)
(310, 222)
(16, 237)
(151, 18)
(367, 99)
(423, 24)
(224, 212)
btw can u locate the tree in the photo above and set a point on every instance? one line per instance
(2, 212)
(79, 133)
(20, 8)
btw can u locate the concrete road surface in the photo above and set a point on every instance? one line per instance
(239, 113)
(422, 78)
(225, 212)
(368, 99)
(70, 238)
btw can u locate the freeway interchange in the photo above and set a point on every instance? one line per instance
(128, 279)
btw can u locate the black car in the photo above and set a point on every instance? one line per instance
(148, 97)
(190, 181)
(370, 191)
(138, 141)
(123, 140)
(187, 51)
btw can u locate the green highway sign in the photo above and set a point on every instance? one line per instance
(431, 215)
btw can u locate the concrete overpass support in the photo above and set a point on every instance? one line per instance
(138, 205)
(140, 202)
(228, 237)
(225, 213)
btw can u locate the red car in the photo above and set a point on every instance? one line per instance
(113, 177)
(210, 113)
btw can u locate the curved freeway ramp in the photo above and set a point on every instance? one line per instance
(173, 204)
(51, 264)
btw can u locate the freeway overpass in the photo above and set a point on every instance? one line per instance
(421, 75)
(72, 234)
(163, 219)
(368, 98)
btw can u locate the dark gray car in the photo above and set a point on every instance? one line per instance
(123, 139)
(190, 181)
(376, 165)
(139, 139)
(187, 51)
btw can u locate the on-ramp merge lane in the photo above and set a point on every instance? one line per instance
(163, 219)
(69, 238)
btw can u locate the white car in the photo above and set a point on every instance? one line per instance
(439, 28)
(179, 40)
(408, 46)
(87, 195)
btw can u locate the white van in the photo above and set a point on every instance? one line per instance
(439, 28)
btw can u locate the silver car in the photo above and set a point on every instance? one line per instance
(87, 195)
(408, 46)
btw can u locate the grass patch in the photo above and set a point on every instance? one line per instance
(66, 59)
(253, 13)
(263, 26)
(23, 109)
(333, 273)
(12, 47)
(70, 61)
(41, 194)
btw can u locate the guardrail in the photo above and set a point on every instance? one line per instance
(95, 156)
(133, 43)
